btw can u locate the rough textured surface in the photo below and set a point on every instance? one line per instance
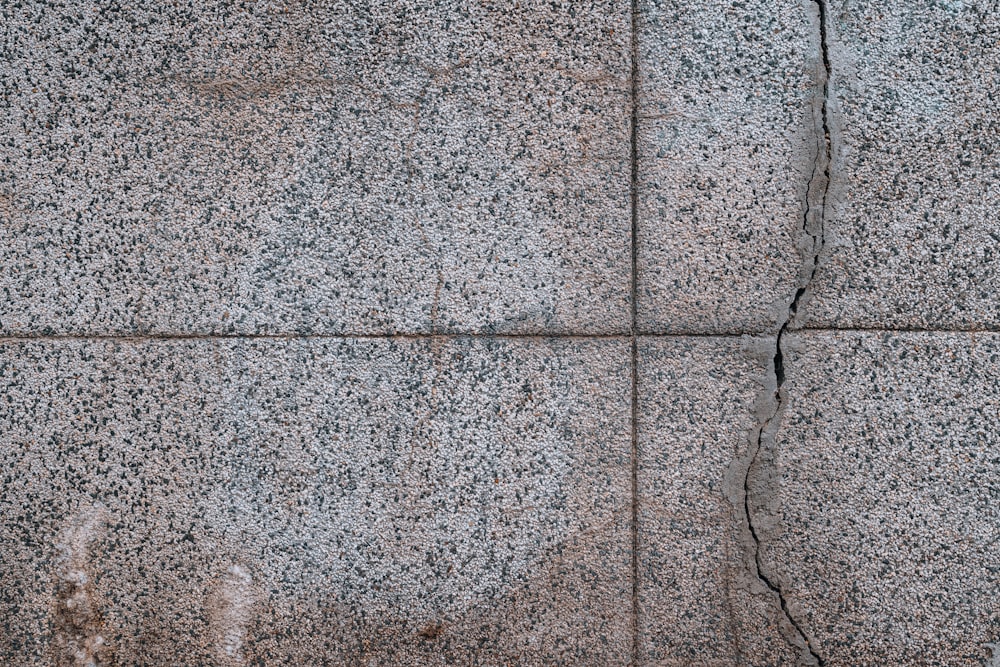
(913, 236)
(726, 144)
(885, 496)
(698, 602)
(290, 502)
(232, 234)
(314, 167)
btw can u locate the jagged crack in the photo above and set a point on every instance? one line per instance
(813, 225)
(766, 427)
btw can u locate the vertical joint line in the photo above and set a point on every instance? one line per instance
(634, 319)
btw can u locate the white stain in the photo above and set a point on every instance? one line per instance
(231, 613)
(77, 615)
(994, 660)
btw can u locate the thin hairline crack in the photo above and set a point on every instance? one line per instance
(813, 227)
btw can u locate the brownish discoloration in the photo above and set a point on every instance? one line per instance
(79, 638)
(432, 630)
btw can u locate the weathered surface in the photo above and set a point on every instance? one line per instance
(327, 167)
(913, 237)
(727, 97)
(289, 502)
(884, 516)
(699, 603)
(231, 235)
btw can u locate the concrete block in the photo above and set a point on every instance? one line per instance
(699, 603)
(883, 514)
(912, 230)
(315, 167)
(305, 501)
(727, 97)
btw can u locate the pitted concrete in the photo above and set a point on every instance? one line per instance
(498, 333)
(315, 168)
(913, 232)
(394, 502)
(884, 523)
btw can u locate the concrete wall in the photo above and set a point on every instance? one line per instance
(500, 333)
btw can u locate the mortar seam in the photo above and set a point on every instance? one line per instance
(634, 328)
(24, 338)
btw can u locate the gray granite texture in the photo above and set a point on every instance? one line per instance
(358, 332)
(383, 502)
(699, 604)
(728, 97)
(314, 167)
(885, 523)
(912, 232)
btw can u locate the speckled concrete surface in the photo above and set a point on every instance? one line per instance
(698, 602)
(230, 231)
(305, 502)
(912, 232)
(726, 145)
(321, 167)
(884, 497)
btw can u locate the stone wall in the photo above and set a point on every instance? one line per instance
(499, 333)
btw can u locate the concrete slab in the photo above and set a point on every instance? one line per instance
(912, 230)
(315, 168)
(728, 93)
(410, 502)
(884, 522)
(699, 603)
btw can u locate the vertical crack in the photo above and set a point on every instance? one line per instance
(813, 227)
